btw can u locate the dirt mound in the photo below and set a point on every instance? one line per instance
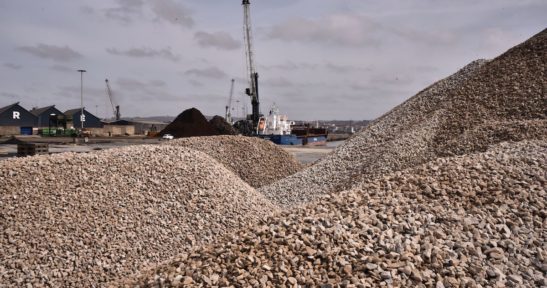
(455, 222)
(189, 123)
(509, 91)
(221, 126)
(258, 162)
(113, 211)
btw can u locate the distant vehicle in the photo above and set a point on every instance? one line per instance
(168, 137)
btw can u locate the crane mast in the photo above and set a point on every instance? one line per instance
(252, 91)
(115, 108)
(228, 116)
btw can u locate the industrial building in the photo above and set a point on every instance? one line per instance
(73, 119)
(49, 116)
(15, 120)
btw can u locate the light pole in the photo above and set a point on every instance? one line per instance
(82, 117)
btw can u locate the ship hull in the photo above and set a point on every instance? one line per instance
(283, 139)
(316, 140)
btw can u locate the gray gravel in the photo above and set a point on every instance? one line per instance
(468, 221)
(84, 219)
(258, 162)
(484, 103)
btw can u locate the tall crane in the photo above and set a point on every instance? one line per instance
(252, 91)
(115, 108)
(228, 116)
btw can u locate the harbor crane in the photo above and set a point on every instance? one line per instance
(115, 108)
(228, 115)
(252, 91)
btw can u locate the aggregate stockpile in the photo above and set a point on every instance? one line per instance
(111, 212)
(189, 123)
(256, 161)
(221, 126)
(484, 103)
(464, 221)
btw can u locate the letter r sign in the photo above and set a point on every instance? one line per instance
(16, 115)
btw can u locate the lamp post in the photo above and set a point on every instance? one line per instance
(82, 117)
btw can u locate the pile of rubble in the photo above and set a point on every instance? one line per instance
(486, 102)
(189, 123)
(464, 221)
(258, 162)
(81, 219)
(221, 126)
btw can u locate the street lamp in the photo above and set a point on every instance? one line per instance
(82, 117)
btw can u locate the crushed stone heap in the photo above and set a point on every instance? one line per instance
(189, 123)
(462, 221)
(258, 162)
(221, 126)
(484, 103)
(80, 220)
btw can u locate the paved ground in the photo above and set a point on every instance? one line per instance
(305, 155)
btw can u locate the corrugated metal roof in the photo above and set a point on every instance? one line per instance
(7, 107)
(38, 111)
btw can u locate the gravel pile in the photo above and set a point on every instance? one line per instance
(221, 126)
(258, 162)
(84, 219)
(189, 123)
(464, 221)
(484, 103)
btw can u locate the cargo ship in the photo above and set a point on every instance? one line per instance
(278, 129)
(310, 136)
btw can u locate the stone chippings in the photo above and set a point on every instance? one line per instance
(484, 103)
(258, 162)
(84, 219)
(467, 221)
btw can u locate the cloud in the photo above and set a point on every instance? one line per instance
(220, 40)
(290, 66)
(279, 82)
(210, 72)
(10, 95)
(195, 83)
(350, 29)
(62, 68)
(344, 68)
(56, 53)
(172, 12)
(145, 53)
(87, 10)
(12, 66)
(125, 10)
(74, 92)
(338, 29)
(152, 89)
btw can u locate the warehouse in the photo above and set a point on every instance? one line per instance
(90, 120)
(49, 117)
(143, 127)
(15, 120)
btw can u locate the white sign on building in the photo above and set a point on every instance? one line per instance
(82, 118)
(16, 115)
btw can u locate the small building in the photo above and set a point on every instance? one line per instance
(16, 120)
(49, 117)
(145, 127)
(73, 118)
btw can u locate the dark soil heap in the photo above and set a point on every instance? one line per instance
(221, 126)
(189, 123)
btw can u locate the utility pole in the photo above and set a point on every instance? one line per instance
(82, 117)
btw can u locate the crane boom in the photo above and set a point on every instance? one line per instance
(252, 91)
(228, 116)
(115, 108)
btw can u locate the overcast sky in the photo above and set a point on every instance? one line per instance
(317, 59)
